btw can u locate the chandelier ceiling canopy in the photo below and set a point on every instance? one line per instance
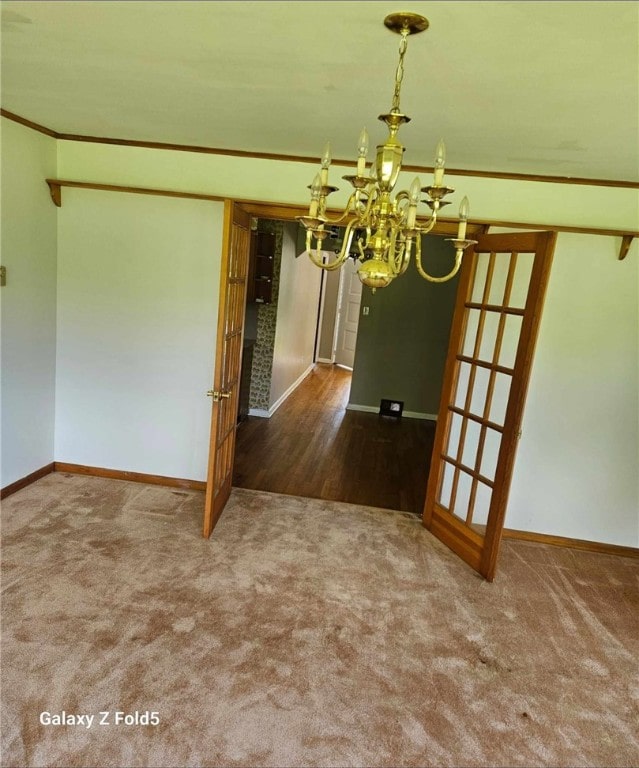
(386, 229)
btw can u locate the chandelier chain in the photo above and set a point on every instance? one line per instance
(399, 74)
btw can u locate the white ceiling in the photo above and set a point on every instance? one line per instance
(526, 87)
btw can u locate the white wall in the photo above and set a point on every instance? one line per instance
(137, 311)
(297, 308)
(591, 284)
(28, 301)
(280, 181)
(577, 464)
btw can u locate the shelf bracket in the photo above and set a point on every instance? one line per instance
(626, 242)
(55, 190)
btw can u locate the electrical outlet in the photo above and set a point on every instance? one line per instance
(3, 276)
(365, 310)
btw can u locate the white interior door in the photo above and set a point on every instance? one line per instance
(327, 320)
(348, 315)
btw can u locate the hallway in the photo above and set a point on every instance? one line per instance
(312, 446)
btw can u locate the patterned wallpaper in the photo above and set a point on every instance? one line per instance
(266, 320)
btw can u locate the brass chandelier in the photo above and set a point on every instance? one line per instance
(386, 230)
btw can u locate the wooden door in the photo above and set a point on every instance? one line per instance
(348, 315)
(494, 330)
(228, 361)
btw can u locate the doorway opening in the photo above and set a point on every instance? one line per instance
(508, 300)
(339, 309)
(315, 430)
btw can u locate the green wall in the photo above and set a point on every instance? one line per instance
(403, 341)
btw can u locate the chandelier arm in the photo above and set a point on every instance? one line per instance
(402, 204)
(316, 259)
(430, 278)
(361, 210)
(351, 207)
(309, 242)
(366, 213)
(319, 263)
(348, 239)
(401, 263)
(426, 228)
(395, 253)
(408, 247)
(343, 254)
(392, 255)
(337, 219)
(362, 243)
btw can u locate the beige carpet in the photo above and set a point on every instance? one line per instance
(305, 633)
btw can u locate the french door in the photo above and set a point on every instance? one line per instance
(493, 334)
(228, 361)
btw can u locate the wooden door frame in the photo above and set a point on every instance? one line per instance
(283, 212)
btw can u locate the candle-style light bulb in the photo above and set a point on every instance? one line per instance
(326, 156)
(440, 162)
(464, 210)
(413, 199)
(362, 151)
(316, 189)
(415, 189)
(326, 161)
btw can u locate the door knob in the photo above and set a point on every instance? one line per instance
(217, 396)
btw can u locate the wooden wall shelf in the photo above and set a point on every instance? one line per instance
(626, 242)
(289, 211)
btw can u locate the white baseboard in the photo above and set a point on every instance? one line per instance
(324, 360)
(267, 414)
(407, 414)
(365, 408)
(418, 415)
(290, 390)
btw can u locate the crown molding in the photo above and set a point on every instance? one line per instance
(29, 123)
(313, 160)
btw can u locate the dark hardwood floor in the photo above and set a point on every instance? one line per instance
(312, 446)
